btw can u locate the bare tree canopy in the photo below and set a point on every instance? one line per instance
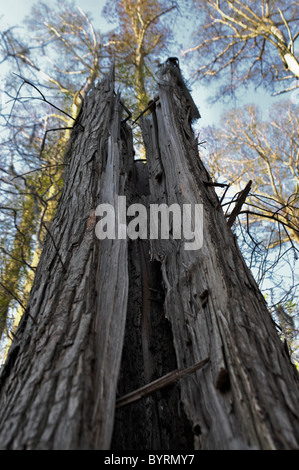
(247, 147)
(245, 41)
(137, 42)
(267, 152)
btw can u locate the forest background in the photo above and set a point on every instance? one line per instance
(240, 60)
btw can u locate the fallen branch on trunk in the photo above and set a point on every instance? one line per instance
(158, 384)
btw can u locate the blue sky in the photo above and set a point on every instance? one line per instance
(14, 11)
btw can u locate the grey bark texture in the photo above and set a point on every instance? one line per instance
(58, 385)
(247, 395)
(107, 317)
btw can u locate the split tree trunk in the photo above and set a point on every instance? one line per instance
(58, 385)
(158, 421)
(247, 395)
(95, 327)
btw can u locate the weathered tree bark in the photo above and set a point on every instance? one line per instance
(106, 317)
(247, 395)
(58, 385)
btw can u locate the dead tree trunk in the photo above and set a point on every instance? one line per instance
(106, 317)
(247, 395)
(58, 385)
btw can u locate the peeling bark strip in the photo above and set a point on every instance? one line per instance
(247, 395)
(58, 385)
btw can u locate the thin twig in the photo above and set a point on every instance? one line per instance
(64, 268)
(49, 130)
(222, 197)
(38, 169)
(18, 300)
(43, 97)
(271, 216)
(13, 295)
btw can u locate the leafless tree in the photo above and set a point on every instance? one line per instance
(246, 147)
(245, 41)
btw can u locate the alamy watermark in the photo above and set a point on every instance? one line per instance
(159, 221)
